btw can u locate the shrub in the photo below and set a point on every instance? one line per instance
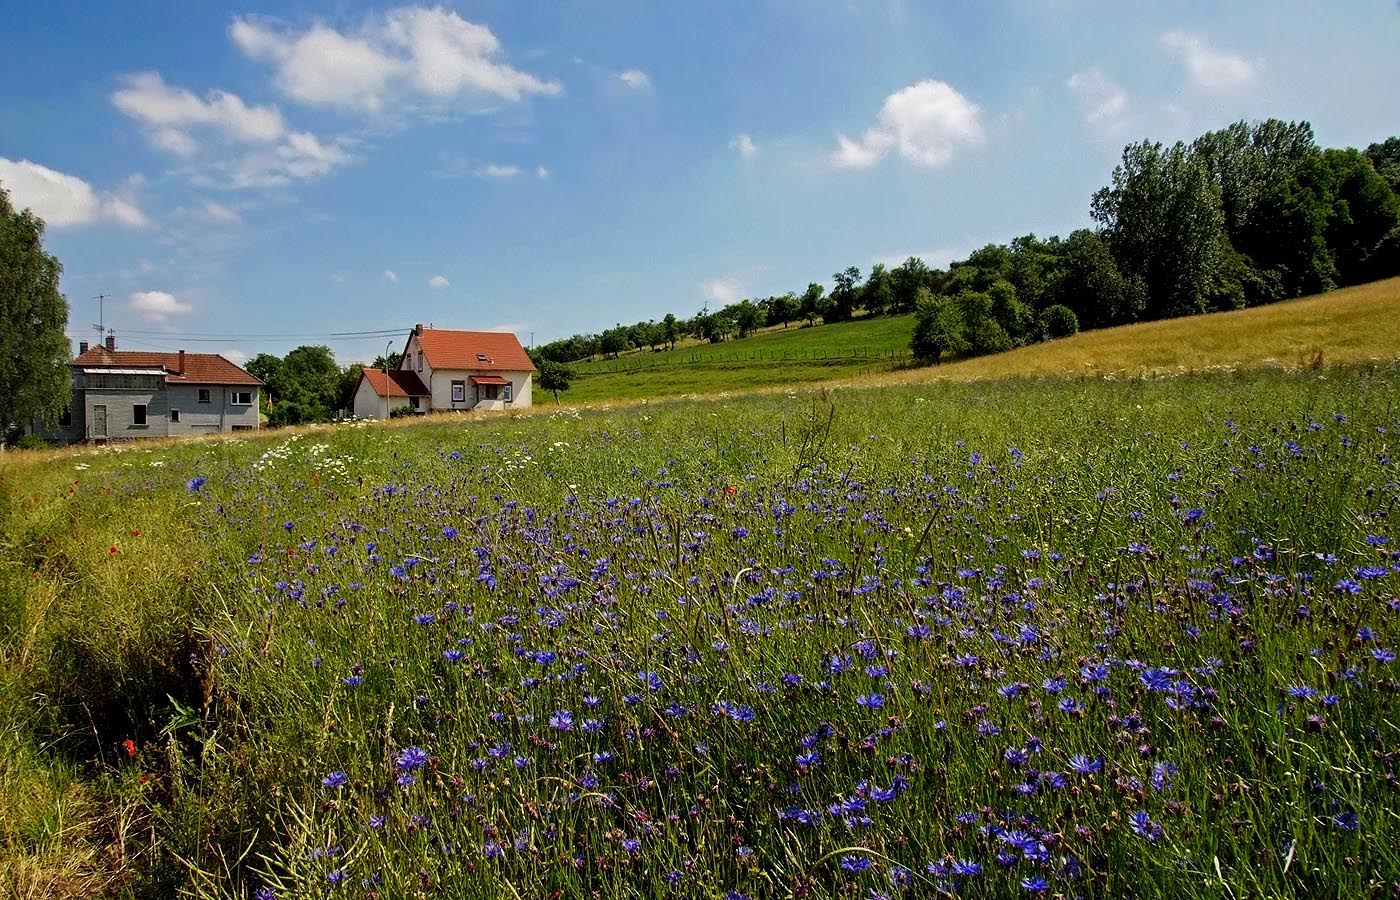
(32, 442)
(400, 412)
(1059, 321)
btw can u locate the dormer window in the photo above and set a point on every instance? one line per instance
(481, 357)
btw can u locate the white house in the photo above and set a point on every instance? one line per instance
(376, 396)
(441, 370)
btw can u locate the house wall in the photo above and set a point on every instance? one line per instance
(70, 433)
(121, 422)
(220, 414)
(366, 404)
(441, 387)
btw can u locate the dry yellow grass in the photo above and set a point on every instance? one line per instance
(1352, 325)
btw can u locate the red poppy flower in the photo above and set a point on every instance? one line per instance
(129, 746)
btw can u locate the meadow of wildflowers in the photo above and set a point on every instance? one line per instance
(993, 640)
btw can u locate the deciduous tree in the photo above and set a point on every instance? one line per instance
(35, 381)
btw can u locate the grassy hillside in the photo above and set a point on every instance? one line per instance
(1352, 325)
(1022, 638)
(1347, 326)
(792, 355)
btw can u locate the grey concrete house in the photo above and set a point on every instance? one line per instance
(129, 394)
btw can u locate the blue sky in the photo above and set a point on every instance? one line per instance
(265, 175)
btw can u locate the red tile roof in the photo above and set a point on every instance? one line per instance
(199, 368)
(402, 383)
(446, 349)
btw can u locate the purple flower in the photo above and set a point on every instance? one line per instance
(562, 720)
(870, 701)
(195, 484)
(411, 758)
(335, 779)
(965, 868)
(852, 862)
(1383, 655)
(1035, 885)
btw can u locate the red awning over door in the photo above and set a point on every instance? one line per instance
(489, 379)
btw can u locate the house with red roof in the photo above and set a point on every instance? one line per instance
(442, 369)
(129, 394)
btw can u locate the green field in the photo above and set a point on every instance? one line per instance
(793, 355)
(1348, 326)
(1069, 637)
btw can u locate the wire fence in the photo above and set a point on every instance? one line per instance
(878, 357)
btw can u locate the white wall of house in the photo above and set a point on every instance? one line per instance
(367, 404)
(441, 387)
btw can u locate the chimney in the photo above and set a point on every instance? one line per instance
(82, 347)
(182, 362)
(418, 329)
(112, 342)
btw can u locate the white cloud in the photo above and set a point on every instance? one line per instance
(63, 200)
(391, 276)
(1208, 67)
(235, 356)
(541, 173)
(722, 290)
(496, 170)
(438, 282)
(301, 156)
(158, 306)
(635, 79)
(925, 123)
(410, 53)
(220, 214)
(745, 145)
(1103, 102)
(278, 155)
(167, 111)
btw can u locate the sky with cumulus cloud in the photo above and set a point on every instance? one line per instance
(238, 181)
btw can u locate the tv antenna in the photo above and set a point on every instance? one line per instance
(101, 325)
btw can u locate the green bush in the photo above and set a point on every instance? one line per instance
(1059, 321)
(32, 442)
(400, 412)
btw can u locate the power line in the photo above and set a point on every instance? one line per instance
(378, 334)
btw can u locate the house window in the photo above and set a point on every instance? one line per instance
(66, 418)
(506, 391)
(481, 357)
(243, 428)
(204, 395)
(242, 398)
(459, 392)
(138, 414)
(420, 360)
(174, 415)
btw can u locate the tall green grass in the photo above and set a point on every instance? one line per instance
(225, 635)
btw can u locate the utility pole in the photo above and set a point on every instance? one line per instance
(388, 348)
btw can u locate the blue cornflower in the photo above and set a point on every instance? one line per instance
(1347, 821)
(411, 758)
(870, 701)
(335, 779)
(562, 720)
(335, 876)
(855, 863)
(195, 484)
(453, 655)
(965, 868)
(652, 680)
(631, 845)
(449, 532)
(1143, 826)
(265, 893)
(1381, 654)
(1035, 885)
(1302, 691)
(424, 619)
(1085, 765)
